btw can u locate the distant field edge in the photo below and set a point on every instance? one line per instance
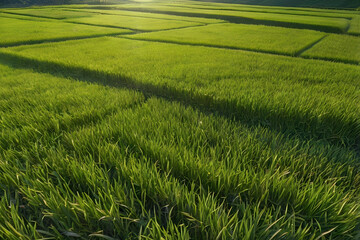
(60, 39)
(295, 55)
(243, 20)
(325, 4)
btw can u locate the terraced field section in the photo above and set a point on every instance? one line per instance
(20, 31)
(137, 23)
(140, 14)
(355, 26)
(337, 47)
(240, 36)
(54, 13)
(161, 126)
(328, 24)
(251, 8)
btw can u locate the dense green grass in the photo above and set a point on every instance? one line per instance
(299, 3)
(89, 160)
(138, 23)
(258, 38)
(355, 26)
(282, 92)
(22, 17)
(20, 31)
(93, 9)
(283, 10)
(119, 137)
(54, 13)
(297, 21)
(336, 47)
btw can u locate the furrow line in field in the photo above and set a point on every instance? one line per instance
(307, 47)
(230, 109)
(263, 11)
(243, 20)
(32, 15)
(207, 45)
(337, 60)
(135, 31)
(19, 17)
(297, 55)
(103, 13)
(62, 39)
(101, 25)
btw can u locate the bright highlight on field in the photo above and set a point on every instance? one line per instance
(179, 120)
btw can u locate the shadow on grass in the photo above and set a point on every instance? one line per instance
(60, 39)
(257, 10)
(235, 19)
(331, 129)
(297, 54)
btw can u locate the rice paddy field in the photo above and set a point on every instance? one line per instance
(183, 120)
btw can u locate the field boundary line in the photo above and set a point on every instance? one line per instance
(128, 15)
(31, 15)
(30, 18)
(98, 25)
(207, 45)
(239, 49)
(253, 11)
(243, 20)
(62, 39)
(202, 102)
(307, 47)
(135, 31)
(329, 59)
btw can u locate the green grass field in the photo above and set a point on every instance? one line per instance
(137, 23)
(20, 31)
(142, 14)
(54, 13)
(282, 10)
(337, 47)
(186, 128)
(355, 26)
(287, 20)
(241, 36)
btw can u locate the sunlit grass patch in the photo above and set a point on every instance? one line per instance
(20, 31)
(268, 9)
(355, 26)
(146, 15)
(138, 23)
(287, 20)
(79, 159)
(337, 48)
(257, 38)
(282, 92)
(54, 13)
(208, 131)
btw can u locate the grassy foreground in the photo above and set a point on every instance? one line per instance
(186, 128)
(88, 158)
